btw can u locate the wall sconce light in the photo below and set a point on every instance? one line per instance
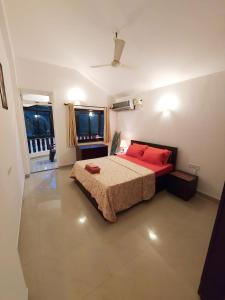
(76, 94)
(168, 103)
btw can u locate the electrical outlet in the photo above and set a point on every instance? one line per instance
(9, 170)
(194, 167)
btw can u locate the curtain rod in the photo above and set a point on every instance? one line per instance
(86, 106)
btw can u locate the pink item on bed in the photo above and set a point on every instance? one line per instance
(158, 169)
(92, 168)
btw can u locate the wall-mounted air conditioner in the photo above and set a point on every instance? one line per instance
(124, 105)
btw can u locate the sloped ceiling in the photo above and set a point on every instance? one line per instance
(166, 41)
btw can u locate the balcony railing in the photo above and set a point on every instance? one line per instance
(89, 138)
(38, 145)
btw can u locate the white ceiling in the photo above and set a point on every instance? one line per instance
(166, 41)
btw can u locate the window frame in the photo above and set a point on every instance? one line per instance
(88, 110)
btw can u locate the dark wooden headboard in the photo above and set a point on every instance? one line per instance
(173, 156)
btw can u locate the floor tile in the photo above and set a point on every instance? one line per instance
(155, 251)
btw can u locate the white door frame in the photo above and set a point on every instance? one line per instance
(26, 156)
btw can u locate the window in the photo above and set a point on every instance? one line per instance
(39, 122)
(90, 125)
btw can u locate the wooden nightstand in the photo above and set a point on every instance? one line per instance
(182, 184)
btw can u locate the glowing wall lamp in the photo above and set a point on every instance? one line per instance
(168, 103)
(76, 95)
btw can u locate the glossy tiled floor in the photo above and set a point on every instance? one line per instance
(155, 251)
(42, 163)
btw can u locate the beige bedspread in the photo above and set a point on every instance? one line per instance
(120, 184)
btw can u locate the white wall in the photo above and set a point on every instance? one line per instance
(12, 286)
(58, 80)
(196, 126)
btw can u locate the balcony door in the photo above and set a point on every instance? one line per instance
(39, 124)
(39, 128)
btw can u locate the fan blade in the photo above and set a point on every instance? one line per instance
(119, 45)
(128, 67)
(101, 66)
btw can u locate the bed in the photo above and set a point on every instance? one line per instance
(123, 181)
(161, 180)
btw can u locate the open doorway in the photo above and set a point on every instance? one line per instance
(39, 123)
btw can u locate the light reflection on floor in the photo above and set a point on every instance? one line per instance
(156, 250)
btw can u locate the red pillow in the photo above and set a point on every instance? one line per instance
(167, 154)
(136, 150)
(156, 156)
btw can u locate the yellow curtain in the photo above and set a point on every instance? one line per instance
(72, 132)
(106, 125)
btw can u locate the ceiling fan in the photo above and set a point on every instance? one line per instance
(119, 46)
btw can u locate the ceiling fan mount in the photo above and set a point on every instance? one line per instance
(118, 50)
(115, 63)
